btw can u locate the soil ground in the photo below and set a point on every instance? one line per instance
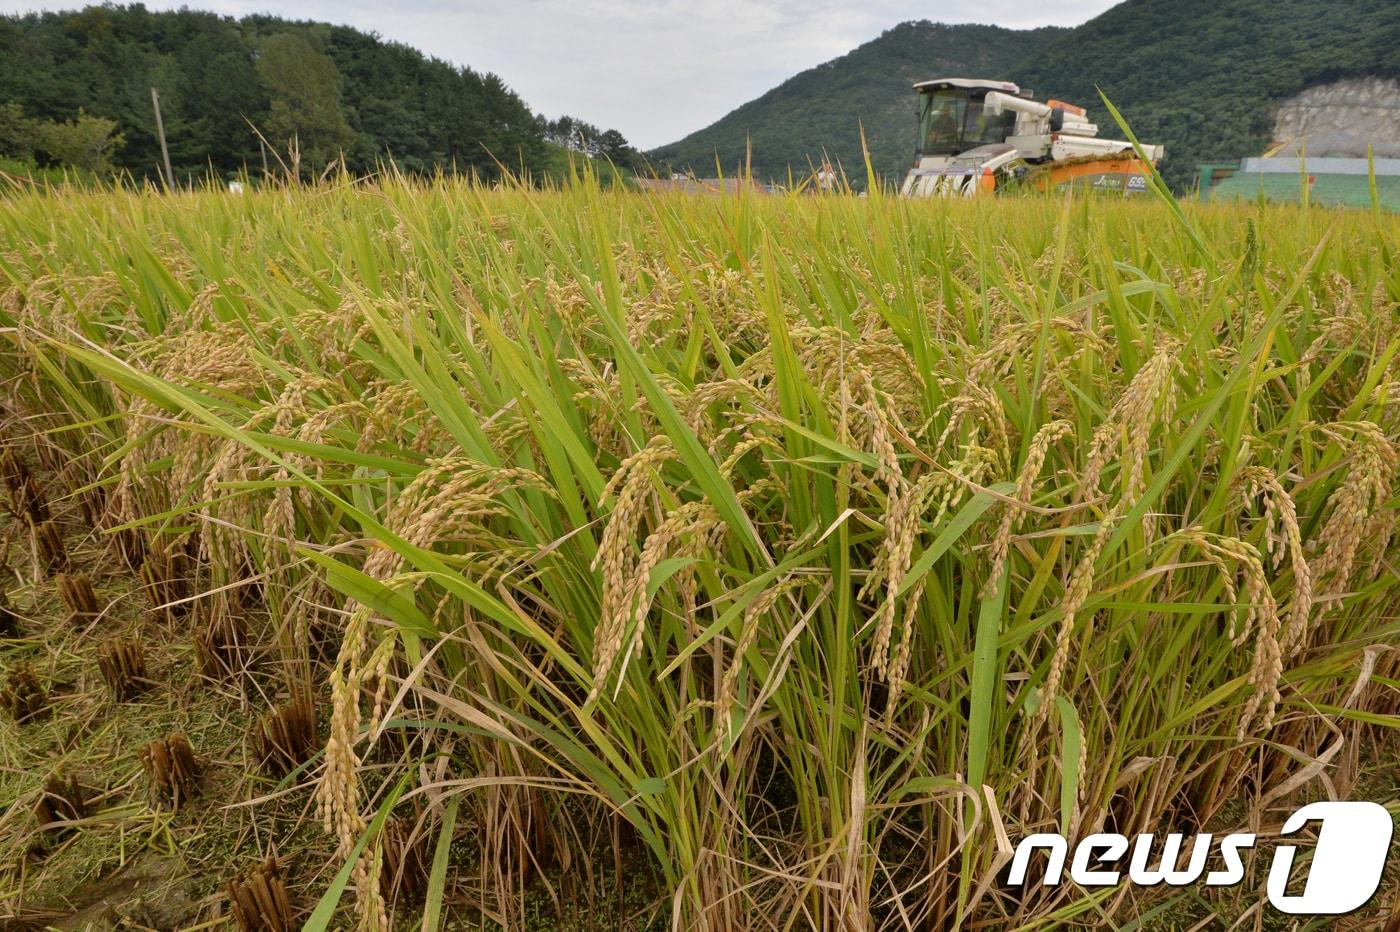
(133, 861)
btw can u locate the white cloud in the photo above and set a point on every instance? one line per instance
(654, 70)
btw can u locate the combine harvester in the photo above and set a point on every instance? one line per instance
(979, 137)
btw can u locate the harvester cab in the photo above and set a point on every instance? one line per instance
(978, 137)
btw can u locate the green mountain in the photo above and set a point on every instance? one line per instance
(823, 109)
(75, 90)
(1200, 76)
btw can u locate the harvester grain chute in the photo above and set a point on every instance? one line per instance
(979, 137)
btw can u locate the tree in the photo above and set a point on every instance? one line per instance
(216, 94)
(87, 142)
(16, 133)
(304, 87)
(613, 147)
(337, 90)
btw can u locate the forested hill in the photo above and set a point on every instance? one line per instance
(823, 109)
(1200, 76)
(332, 88)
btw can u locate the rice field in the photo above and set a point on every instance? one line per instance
(592, 560)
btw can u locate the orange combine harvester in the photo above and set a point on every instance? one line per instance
(979, 137)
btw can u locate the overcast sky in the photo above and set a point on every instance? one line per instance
(654, 69)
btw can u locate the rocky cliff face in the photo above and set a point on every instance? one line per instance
(1340, 118)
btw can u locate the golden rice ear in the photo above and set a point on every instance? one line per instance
(1357, 517)
(258, 898)
(78, 596)
(23, 696)
(123, 666)
(285, 738)
(63, 800)
(48, 546)
(172, 768)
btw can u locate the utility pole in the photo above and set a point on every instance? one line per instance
(164, 150)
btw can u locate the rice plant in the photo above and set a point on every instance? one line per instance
(784, 558)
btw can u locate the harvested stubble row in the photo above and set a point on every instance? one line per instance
(172, 768)
(780, 535)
